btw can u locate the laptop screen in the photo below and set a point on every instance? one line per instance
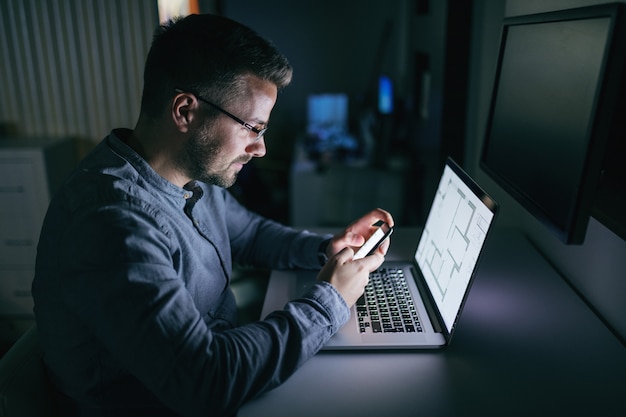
(452, 240)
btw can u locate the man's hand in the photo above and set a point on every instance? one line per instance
(349, 277)
(355, 235)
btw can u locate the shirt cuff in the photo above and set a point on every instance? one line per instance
(322, 255)
(332, 303)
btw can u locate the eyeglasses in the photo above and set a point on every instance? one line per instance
(260, 131)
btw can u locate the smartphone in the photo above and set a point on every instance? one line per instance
(375, 240)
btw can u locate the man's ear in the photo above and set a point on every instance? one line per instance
(184, 108)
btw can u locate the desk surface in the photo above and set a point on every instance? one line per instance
(526, 345)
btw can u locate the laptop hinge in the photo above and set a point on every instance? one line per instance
(428, 302)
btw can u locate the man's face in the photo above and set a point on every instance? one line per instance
(217, 151)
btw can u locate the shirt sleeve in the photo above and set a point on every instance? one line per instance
(259, 241)
(124, 289)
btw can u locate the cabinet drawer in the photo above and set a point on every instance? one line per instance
(15, 292)
(23, 203)
(18, 250)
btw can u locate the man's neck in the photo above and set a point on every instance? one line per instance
(154, 147)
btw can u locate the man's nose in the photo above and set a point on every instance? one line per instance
(257, 148)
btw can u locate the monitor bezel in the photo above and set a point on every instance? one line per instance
(603, 115)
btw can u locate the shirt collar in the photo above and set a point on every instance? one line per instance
(146, 172)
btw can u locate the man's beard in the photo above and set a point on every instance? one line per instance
(200, 153)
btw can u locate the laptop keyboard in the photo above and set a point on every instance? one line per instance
(387, 305)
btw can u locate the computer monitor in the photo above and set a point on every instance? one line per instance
(385, 95)
(558, 78)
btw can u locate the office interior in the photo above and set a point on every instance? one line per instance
(73, 70)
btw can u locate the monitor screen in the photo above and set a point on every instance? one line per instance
(385, 95)
(550, 113)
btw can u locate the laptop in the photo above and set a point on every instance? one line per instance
(413, 304)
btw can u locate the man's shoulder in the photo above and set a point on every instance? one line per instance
(110, 172)
(101, 174)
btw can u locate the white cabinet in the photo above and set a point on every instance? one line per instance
(340, 194)
(30, 171)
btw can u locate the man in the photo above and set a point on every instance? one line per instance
(132, 296)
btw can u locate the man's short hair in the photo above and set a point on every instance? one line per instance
(207, 55)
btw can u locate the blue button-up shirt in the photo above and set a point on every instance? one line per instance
(132, 295)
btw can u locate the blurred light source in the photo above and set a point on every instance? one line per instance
(172, 8)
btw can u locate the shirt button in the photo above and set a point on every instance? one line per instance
(186, 195)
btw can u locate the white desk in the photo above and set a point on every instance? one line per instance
(526, 345)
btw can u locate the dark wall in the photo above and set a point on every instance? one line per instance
(333, 47)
